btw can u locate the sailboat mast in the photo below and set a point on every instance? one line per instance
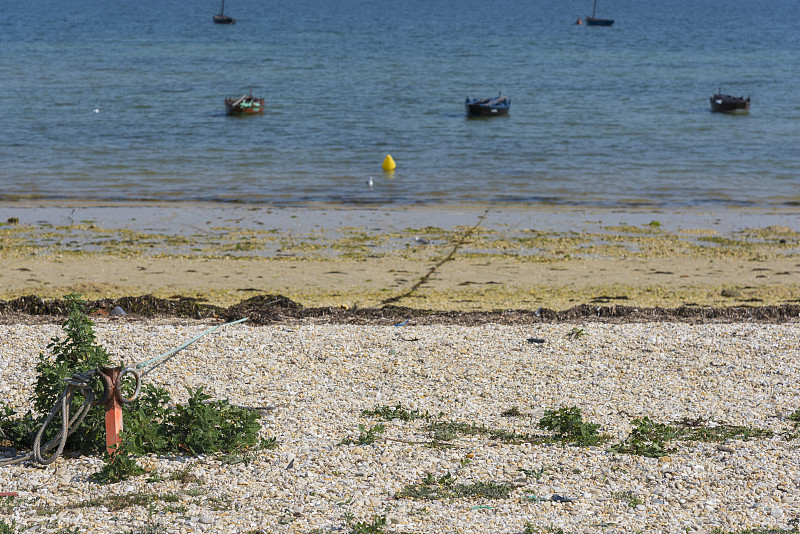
(594, 7)
(222, 9)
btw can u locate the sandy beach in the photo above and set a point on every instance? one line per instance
(473, 258)
(314, 382)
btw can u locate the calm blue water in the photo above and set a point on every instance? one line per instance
(600, 116)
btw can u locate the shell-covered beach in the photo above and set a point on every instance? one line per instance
(473, 371)
(314, 383)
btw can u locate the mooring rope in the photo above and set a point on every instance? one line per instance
(82, 382)
(167, 355)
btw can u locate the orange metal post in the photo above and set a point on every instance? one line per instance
(113, 411)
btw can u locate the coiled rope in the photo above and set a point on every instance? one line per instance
(82, 382)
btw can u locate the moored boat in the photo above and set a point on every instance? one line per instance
(222, 18)
(488, 107)
(728, 104)
(244, 105)
(594, 21)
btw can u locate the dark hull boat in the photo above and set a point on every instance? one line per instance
(222, 18)
(488, 107)
(594, 21)
(729, 104)
(591, 21)
(244, 105)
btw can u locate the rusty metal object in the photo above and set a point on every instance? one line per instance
(113, 399)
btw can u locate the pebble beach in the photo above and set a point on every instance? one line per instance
(312, 383)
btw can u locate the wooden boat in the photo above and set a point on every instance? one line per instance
(488, 107)
(244, 105)
(729, 104)
(594, 21)
(222, 18)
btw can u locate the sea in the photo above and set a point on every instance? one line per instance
(111, 101)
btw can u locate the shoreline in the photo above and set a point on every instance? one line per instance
(508, 258)
(185, 217)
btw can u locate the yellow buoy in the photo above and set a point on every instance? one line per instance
(388, 163)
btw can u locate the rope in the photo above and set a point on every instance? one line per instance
(172, 352)
(80, 381)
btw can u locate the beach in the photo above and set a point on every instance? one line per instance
(319, 384)
(467, 258)
(315, 384)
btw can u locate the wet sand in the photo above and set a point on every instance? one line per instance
(468, 258)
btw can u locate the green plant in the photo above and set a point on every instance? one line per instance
(568, 425)
(365, 437)
(78, 351)
(445, 487)
(15, 430)
(576, 333)
(511, 412)
(647, 438)
(375, 527)
(530, 528)
(7, 505)
(757, 531)
(708, 431)
(184, 474)
(628, 497)
(387, 413)
(5, 528)
(535, 473)
(449, 430)
(795, 419)
(119, 466)
(200, 427)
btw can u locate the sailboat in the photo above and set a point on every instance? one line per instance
(594, 21)
(222, 18)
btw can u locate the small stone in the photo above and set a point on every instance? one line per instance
(664, 459)
(206, 520)
(117, 311)
(777, 513)
(561, 498)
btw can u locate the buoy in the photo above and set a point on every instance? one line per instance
(388, 163)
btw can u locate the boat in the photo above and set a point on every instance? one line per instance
(729, 104)
(222, 18)
(594, 21)
(244, 105)
(488, 107)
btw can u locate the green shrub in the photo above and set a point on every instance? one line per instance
(152, 424)
(647, 438)
(5, 528)
(568, 425)
(77, 352)
(200, 427)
